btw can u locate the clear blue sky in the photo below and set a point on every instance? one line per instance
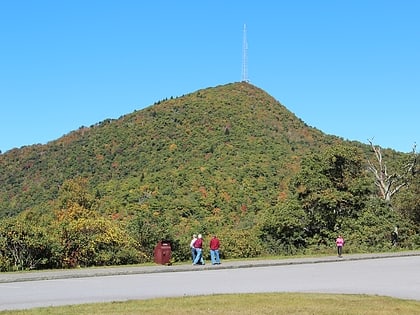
(348, 68)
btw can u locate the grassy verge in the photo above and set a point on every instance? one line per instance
(244, 304)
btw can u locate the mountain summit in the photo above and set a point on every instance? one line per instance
(230, 139)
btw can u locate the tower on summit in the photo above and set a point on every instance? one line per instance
(245, 57)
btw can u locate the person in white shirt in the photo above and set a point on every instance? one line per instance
(193, 250)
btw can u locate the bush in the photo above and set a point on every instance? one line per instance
(239, 244)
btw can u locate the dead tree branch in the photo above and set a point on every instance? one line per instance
(390, 184)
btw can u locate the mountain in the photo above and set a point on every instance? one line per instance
(226, 138)
(229, 160)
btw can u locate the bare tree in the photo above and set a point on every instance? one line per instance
(390, 184)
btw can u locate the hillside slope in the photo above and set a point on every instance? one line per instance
(234, 142)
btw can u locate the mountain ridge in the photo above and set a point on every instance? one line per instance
(229, 117)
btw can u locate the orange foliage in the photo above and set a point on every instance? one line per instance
(226, 196)
(203, 191)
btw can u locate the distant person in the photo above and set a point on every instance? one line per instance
(214, 250)
(340, 243)
(394, 236)
(198, 245)
(192, 248)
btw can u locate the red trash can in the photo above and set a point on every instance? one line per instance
(163, 253)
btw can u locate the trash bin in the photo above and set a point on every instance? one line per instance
(163, 253)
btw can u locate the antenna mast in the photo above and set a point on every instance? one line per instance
(245, 57)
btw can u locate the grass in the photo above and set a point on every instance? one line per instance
(244, 304)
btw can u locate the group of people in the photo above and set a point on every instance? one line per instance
(339, 242)
(196, 246)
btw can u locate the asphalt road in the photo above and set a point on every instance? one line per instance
(389, 276)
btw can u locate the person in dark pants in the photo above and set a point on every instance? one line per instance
(340, 243)
(193, 251)
(394, 236)
(214, 250)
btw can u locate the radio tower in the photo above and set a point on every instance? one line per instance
(245, 58)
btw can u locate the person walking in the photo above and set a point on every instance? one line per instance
(394, 236)
(214, 250)
(340, 243)
(192, 248)
(198, 245)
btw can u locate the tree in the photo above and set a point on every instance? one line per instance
(390, 184)
(26, 245)
(148, 227)
(331, 186)
(75, 191)
(87, 237)
(283, 228)
(408, 203)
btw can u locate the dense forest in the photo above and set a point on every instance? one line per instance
(228, 160)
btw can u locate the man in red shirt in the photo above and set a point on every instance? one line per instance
(198, 245)
(214, 250)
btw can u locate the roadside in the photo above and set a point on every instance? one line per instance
(127, 270)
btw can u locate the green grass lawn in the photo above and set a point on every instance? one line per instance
(270, 303)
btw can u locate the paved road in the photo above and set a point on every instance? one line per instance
(385, 275)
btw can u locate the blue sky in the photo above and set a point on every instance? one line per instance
(348, 68)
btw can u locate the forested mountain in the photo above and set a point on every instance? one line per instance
(231, 132)
(230, 160)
